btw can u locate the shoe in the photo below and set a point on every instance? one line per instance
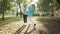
(25, 23)
(34, 24)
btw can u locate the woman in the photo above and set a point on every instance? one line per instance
(24, 12)
(31, 12)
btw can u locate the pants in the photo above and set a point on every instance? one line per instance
(25, 18)
(30, 19)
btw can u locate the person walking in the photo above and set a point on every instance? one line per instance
(31, 12)
(24, 12)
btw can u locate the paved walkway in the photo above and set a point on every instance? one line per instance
(18, 27)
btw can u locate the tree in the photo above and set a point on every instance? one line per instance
(48, 5)
(43, 5)
(18, 3)
(58, 4)
(5, 5)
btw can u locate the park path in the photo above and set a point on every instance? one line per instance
(18, 27)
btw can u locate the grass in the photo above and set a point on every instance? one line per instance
(8, 20)
(51, 23)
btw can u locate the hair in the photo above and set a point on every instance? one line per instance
(33, 5)
(25, 5)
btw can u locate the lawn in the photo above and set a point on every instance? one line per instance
(9, 20)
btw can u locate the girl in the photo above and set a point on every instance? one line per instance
(31, 12)
(24, 12)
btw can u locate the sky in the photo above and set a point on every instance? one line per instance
(33, 1)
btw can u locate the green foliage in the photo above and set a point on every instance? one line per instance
(21, 1)
(44, 4)
(25, 1)
(4, 5)
(58, 4)
(48, 4)
(0, 0)
(18, 1)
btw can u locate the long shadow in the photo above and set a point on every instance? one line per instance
(20, 29)
(27, 29)
(32, 30)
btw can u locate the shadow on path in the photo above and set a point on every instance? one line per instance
(32, 30)
(27, 29)
(20, 29)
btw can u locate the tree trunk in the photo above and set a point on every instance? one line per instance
(20, 10)
(52, 11)
(2, 15)
(17, 12)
